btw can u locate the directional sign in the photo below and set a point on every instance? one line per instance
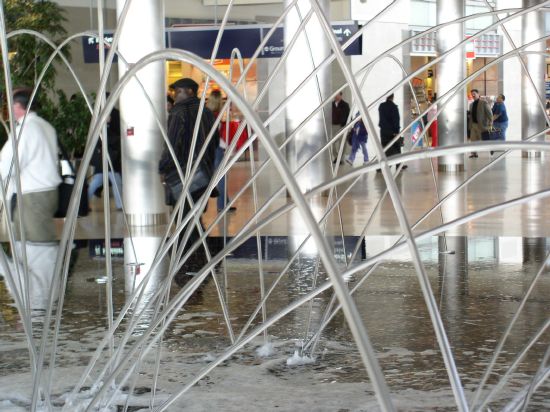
(247, 38)
(275, 46)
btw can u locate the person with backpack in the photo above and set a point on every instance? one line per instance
(358, 140)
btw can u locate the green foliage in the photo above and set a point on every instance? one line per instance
(28, 54)
(71, 119)
(28, 57)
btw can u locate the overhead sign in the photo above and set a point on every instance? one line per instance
(90, 45)
(275, 46)
(201, 40)
(246, 38)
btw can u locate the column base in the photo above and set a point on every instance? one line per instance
(454, 168)
(146, 219)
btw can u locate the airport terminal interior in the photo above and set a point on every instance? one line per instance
(327, 264)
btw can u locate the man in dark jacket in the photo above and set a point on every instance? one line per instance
(181, 126)
(389, 126)
(114, 149)
(340, 113)
(180, 130)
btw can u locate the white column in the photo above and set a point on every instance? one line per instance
(450, 71)
(305, 55)
(381, 34)
(139, 254)
(532, 115)
(142, 33)
(511, 81)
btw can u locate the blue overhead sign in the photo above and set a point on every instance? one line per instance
(246, 38)
(201, 41)
(275, 46)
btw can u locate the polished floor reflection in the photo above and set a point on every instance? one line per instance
(505, 180)
(478, 282)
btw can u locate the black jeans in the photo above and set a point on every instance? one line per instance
(394, 148)
(198, 257)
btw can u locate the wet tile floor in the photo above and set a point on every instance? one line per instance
(478, 289)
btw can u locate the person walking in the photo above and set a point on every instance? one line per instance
(340, 113)
(358, 140)
(181, 126)
(115, 154)
(432, 117)
(481, 118)
(389, 121)
(37, 151)
(215, 104)
(500, 117)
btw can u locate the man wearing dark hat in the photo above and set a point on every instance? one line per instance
(180, 130)
(388, 113)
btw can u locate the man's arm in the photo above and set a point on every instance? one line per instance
(488, 113)
(175, 126)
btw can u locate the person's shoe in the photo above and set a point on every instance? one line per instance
(349, 162)
(404, 167)
(492, 152)
(473, 155)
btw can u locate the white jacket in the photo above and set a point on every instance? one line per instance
(38, 156)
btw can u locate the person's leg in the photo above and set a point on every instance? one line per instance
(116, 184)
(198, 258)
(433, 133)
(95, 183)
(385, 140)
(393, 150)
(475, 135)
(336, 128)
(354, 149)
(220, 201)
(503, 128)
(365, 153)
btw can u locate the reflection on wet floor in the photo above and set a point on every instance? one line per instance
(478, 284)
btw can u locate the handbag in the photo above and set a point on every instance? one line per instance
(66, 187)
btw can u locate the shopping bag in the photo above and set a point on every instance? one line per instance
(65, 191)
(491, 134)
(66, 187)
(233, 128)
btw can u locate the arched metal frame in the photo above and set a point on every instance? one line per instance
(119, 368)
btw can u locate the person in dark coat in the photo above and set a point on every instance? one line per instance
(180, 131)
(389, 120)
(181, 125)
(113, 146)
(340, 113)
